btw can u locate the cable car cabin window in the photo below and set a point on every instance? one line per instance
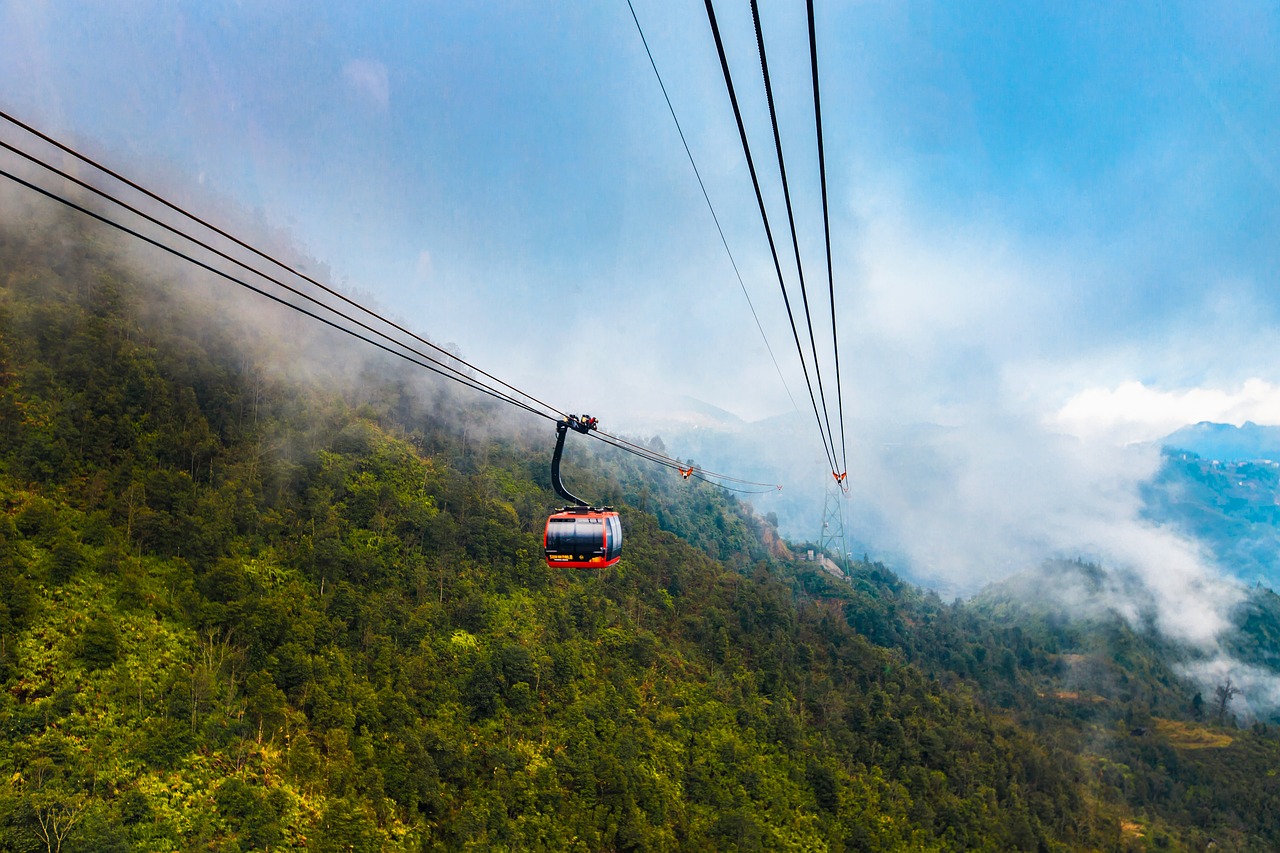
(583, 540)
(615, 537)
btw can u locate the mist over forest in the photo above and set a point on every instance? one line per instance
(267, 588)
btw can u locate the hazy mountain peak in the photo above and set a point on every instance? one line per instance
(1227, 442)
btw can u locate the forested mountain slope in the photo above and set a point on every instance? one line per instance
(241, 609)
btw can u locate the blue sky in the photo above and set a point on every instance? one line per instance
(1030, 201)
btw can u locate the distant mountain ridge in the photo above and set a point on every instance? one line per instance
(1221, 484)
(1227, 442)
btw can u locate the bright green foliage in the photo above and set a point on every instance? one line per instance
(239, 613)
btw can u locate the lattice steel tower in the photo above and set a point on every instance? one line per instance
(832, 538)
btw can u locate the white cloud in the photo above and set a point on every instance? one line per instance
(968, 505)
(930, 286)
(369, 78)
(1260, 690)
(1133, 411)
(969, 325)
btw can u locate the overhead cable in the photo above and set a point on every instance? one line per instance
(689, 471)
(461, 378)
(381, 339)
(641, 450)
(791, 220)
(614, 441)
(248, 268)
(773, 249)
(826, 230)
(286, 267)
(710, 206)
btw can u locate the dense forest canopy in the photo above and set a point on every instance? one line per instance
(253, 597)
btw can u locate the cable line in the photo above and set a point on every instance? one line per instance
(826, 229)
(720, 485)
(773, 249)
(291, 289)
(396, 348)
(692, 471)
(710, 206)
(180, 210)
(653, 455)
(791, 220)
(457, 377)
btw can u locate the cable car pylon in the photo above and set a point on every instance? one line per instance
(832, 538)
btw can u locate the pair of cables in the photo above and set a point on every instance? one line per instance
(282, 283)
(839, 469)
(836, 459)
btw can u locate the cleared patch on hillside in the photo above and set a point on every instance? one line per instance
(1191, 736)
(1073, 696)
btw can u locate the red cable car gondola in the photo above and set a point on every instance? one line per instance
(580, 536)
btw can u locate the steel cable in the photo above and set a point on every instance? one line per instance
(773, 249)
(248, 268)
(222, 273)
(220, 232)
(826, 229)
(791, 222)
(710, 206)
(405, 352)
